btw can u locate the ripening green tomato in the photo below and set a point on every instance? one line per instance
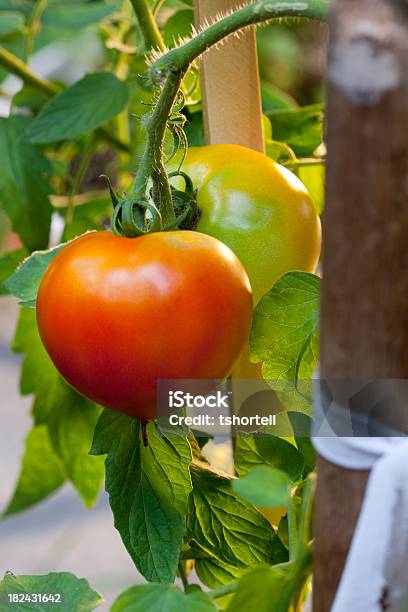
(258, 208)
(116, 315)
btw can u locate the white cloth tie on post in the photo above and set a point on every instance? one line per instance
(375, 577)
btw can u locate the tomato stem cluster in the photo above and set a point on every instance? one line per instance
(167, 72)
(130, 211)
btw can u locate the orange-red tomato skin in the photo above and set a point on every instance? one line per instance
(118, 314)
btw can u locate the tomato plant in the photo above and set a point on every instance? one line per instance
(130, 245)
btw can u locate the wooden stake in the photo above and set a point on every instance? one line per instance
(232, 115)
(364, 330)
(230, 84)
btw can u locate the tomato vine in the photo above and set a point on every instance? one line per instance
(168, 71)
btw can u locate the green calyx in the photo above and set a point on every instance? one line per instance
(184, 204)
(134, 218)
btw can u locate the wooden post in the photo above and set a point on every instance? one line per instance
(230, 84)
(364, 329)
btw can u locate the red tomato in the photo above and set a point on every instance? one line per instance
(118, 314)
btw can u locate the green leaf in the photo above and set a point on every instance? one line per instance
(38, 374)
(23, 189)
(8, 263)
(79, 109)
(252, 451)
(69, 417)
(26, 279)
(161, 597)
(226, 527)
(284, 333)
(76, 14)
(148, 491)
(214, 573)
(312, 176)
(71, 425)
(265, 487)
(277, 589)
(274, 98)
(76, 594)
(41, 472)
(10, 23)
(264, 589)
(7, 5)
(178, 26)
(300, 128)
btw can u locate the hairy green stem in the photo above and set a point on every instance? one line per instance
(259, 12)
(33, 24)
(169, 70)
(17, 67)
(150, 31)
(152, 165)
